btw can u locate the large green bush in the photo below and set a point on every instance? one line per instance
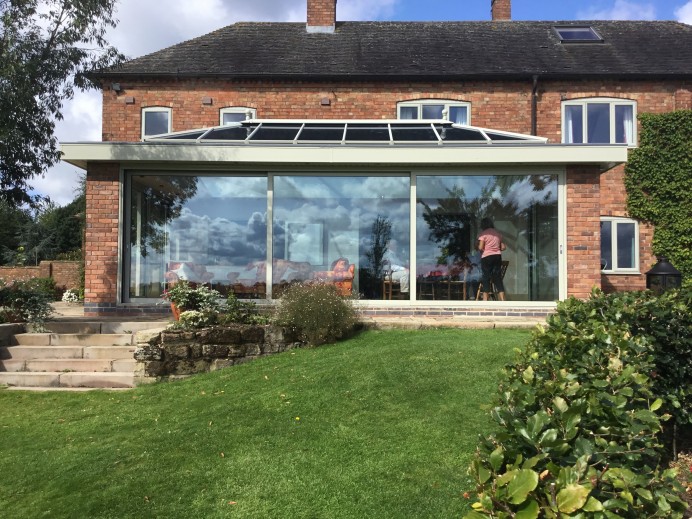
(316, 312)
(580, 418)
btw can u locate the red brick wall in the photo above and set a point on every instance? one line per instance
(101, 245)
(64, 273)
(583, 231)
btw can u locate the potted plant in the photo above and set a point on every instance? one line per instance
(184, 296)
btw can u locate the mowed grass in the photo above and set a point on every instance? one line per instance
(380, 426)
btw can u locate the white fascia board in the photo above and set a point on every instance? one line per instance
(79, 154)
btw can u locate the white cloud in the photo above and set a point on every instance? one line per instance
(621, 10)
(684, 13)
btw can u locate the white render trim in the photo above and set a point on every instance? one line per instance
(321, 28)
(605, 156)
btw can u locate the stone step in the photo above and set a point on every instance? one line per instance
(74, 339)
(65, 365)
(68, 379)
(109, 352)
(43, 352)
(107, 327)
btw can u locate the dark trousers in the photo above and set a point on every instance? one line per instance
(491, 268)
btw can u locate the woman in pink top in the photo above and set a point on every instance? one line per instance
(491, 246)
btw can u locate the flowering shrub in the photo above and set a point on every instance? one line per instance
(24, 301)
(196, 319)
(187, 296)
(316, 312)
(70, 296)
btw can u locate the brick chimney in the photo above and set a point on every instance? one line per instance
(501, 9)
(321, 15)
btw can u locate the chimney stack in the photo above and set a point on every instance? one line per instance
(321, 16)
(501, 9)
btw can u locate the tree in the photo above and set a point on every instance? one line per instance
(47, 48)
(659, 185)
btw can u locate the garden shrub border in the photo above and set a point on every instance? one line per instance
(581, 412)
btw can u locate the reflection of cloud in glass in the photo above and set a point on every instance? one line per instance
(235, 187)
(529, 191)
(219, 240)
(337, 187)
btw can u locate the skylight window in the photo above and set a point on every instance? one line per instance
(578, 34)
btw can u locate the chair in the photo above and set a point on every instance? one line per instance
(390, 289)
(493, 290)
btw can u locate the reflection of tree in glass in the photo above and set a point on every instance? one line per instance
(380, 234)
(450, 221)
(159, 201)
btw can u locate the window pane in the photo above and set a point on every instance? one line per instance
(199, 228)
(626, 242)
(233, 117)
(318, 220)
(448, 220)
(155, 123)
(574, 124)
(598, 122)
(606, 246)
(459, 114)
(432, 111)
(408, 112)
(624, 124)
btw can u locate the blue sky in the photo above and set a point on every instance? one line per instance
(145, 27)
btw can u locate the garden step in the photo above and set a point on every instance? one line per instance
(124, 365)
(109, 352)
(69, 379)
(69, 365)
(74, 339)
(43, 352)
(112, 379)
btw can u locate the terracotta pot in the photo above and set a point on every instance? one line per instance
(176, 311)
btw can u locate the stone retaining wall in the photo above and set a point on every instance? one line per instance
(173, 353)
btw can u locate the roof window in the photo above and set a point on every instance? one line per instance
(578, 34)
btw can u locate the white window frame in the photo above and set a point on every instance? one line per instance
(446, 102)
(157, 109)
(612, 103)
(615, 269)
(237, 110)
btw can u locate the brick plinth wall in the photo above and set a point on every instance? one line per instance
(101, 245)
(583, 231)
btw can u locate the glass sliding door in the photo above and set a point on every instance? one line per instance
(203, 229)
(319, 220)
(449, 210)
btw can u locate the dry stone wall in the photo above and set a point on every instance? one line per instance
(174, 353)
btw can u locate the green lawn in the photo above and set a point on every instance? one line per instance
(383, 425)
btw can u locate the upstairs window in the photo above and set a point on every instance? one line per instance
(599, 121)
(236, 114)
(455, 111)
(619, 245)
(155, 121)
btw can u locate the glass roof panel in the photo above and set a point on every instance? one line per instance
(414, 133)
(367, 132)
(322, 133)
(452, 133)
(578, 34)
(348, 132)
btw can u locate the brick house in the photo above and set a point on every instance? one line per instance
(328, 136)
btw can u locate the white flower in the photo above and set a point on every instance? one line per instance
(70, 296)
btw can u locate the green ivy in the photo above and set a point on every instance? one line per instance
(658, 180)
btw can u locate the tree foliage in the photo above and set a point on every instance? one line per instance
(46, 48)
(658, 179)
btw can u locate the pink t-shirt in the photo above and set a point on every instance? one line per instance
(492, 241)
